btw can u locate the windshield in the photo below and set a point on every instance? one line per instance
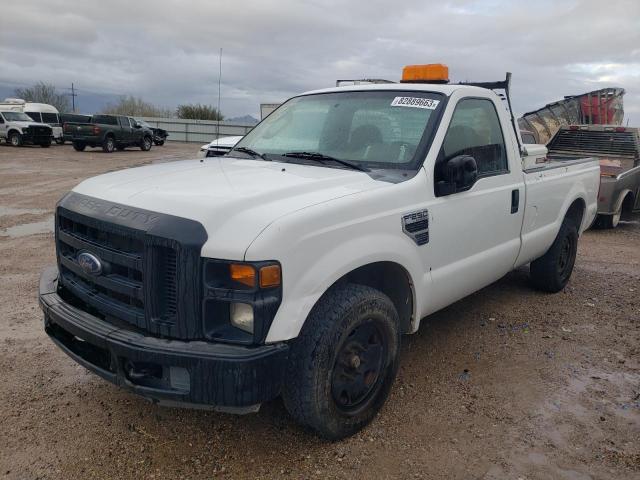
(16, 117)
(374, 129)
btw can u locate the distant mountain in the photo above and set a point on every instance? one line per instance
(245, 120)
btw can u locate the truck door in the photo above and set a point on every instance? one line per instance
(475, 234)
(127, 131)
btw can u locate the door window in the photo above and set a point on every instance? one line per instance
(475, 130)
(1, 119)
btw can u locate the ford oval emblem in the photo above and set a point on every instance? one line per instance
(89, 263)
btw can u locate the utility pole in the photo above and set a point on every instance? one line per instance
(73, 96)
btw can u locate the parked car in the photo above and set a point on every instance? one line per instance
(17, 129)
(110, 132)
(68, 118)
(218, 147)
(294, 267)
(159, 134)
(618, 149)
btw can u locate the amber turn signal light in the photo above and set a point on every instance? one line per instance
(244, 274)
(270, 276)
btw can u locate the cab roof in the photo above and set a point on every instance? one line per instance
(446, 89)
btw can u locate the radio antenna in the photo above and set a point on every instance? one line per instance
(218, 112)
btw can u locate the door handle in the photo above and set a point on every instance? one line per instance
(515, 200)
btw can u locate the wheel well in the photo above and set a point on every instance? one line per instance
(576, 212)
(13, 130)
(391, 279)
(627, 205)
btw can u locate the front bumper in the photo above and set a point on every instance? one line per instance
(187, 373)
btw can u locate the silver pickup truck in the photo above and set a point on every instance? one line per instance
(618, 149)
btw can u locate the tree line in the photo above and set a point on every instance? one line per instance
(125, 105)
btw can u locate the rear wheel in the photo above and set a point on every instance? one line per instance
(145, 146)
(79, 146)
(109, 144)
(15, 139)
(344, 362)
(551, 272)
(606, 222)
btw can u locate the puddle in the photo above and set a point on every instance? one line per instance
(8, 211)
(27, 229)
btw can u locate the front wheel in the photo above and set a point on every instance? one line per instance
(159, 143)
(343, 364)
(79, 146)
(551, 272)
(15, 139)
(145, 146)
(108, 145)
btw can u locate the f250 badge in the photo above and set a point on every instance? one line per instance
(416, 226)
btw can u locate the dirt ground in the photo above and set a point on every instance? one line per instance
(506, 384)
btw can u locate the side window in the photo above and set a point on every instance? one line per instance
(475, 130)
(1, 119)
(35, 116)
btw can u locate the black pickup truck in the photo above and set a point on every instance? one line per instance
(110, 132)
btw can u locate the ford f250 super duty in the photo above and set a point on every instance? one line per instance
(292, 266)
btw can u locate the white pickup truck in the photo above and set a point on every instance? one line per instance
(293, 265)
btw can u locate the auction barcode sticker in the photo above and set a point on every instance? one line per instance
(416, 102)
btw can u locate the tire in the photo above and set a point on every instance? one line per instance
(60, 141)
(109, 144)
(159, 143)
(606, 222)
(79, 146)
(15, 139)
(329, 387)
(146, 144)
(551, 272)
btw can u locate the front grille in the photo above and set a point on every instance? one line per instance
(151, 276)
(118, 294)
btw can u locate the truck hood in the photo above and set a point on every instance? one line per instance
(234, 199)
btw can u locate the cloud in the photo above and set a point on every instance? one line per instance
(167, 52)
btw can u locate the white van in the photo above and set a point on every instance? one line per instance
(39, 112)
(45, 113)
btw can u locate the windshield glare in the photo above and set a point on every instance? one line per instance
(16, 117)
(377, 129)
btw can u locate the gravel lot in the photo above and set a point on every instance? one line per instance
(506, 384)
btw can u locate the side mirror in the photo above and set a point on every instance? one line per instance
(459, 174)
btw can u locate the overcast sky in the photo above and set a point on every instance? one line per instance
(167, 51)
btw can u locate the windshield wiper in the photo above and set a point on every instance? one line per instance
(321, 157)
(251, 152)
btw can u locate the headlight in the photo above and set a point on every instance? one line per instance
(240, 299)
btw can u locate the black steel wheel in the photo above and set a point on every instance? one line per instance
(551, 272)
(343, 364)
(357, 372)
